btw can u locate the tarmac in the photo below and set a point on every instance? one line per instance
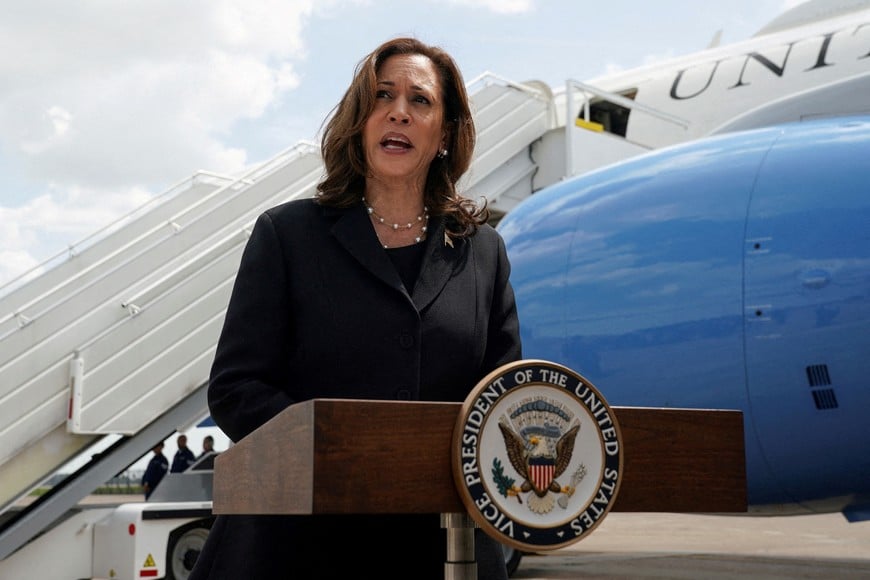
(690, 546)
(663, 546)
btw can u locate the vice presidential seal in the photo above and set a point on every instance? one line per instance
(537, 455)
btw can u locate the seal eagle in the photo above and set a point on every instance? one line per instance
(538, 467)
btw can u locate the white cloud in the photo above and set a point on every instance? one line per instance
(499, 6)
(104, 99)
(126, 97)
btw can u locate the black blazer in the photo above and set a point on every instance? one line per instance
(318, 310)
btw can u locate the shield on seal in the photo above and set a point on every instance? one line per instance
(541, 471)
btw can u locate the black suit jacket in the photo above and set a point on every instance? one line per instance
(318, 310)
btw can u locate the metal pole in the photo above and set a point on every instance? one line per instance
(460, 564)
(570, 117)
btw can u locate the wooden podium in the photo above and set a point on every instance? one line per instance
(334, 456)
(343, 456)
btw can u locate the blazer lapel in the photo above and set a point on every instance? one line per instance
(355, 233)
(438, 263)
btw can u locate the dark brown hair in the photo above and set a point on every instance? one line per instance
(343, 156)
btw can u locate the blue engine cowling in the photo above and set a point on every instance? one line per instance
(731, 272)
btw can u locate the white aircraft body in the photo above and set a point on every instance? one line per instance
(812, 61)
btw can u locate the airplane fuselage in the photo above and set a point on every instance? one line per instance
(711, 88)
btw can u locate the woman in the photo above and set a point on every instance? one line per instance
(386, 285)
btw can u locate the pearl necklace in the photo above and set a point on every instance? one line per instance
(422, 220)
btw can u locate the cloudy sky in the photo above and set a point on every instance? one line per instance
(104, 104)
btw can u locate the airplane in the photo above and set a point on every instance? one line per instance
(729, 272)
(75, 336)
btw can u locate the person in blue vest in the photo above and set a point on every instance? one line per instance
(184, 457)
(157, 468)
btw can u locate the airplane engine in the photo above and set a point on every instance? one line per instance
(732, 272)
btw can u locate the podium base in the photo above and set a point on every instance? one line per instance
(460, 564)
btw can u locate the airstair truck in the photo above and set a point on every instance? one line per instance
(163, 537)
(158, 538)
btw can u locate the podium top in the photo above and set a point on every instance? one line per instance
(362, 456)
